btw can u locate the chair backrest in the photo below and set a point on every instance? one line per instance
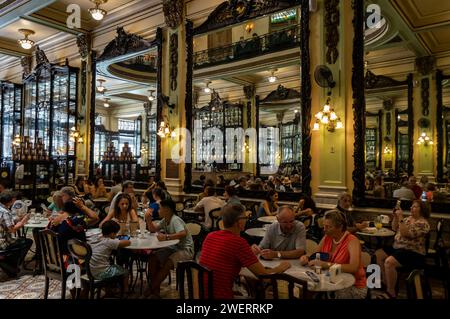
(51, 251)
(366, 259)
(198, 234)
(194, 228)
(439, 230)
(188, 203)
(284, 285)
(82, 251)
(417, 285)
(306, 220)
(196, 276)
(214, 214)
(311, 246)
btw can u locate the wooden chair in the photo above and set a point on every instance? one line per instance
(196, 275)
(417, 285)
(82, 252)
(284, 285)
(198, 233)
(214, 214)
(52, 260)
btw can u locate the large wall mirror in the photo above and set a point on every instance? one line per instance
(127, 107)
(384, 59)
(250, 89)
(389, 124)
(443, 126)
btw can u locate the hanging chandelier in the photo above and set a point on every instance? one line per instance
(25, 42)
(97, 13)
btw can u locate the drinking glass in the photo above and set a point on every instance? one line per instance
(378, 223)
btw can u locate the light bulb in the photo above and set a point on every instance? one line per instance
(326, 108)
(162, 124)
(431, 143)
(106, 104)
(339, 124)
(424, 134)
(333, 116)
(316, 126)
(325, 119)
(207, 90)
(166, 130)
(319, 115)
(26, 43)
(151, 98)
(173, 134)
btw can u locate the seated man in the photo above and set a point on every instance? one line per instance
(165, 259)
(207, 204)
(12, 250)
(225, 253)
(285, 239)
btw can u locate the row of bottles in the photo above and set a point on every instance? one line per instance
(25, 150)
(112, 155)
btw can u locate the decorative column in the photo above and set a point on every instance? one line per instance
(249, 121)
(176, 94)
(425, 114)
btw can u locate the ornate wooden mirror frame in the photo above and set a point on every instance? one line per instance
(440, 77)
(123, 47)
(232, 12)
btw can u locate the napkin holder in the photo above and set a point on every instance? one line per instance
(335, 271)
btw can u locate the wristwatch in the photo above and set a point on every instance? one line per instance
(279, 254)
(167, 237)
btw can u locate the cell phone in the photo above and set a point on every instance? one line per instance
(398, 205)
(313, 276)
(123, 237)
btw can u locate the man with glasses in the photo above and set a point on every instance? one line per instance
(285, 239)
(226, 253)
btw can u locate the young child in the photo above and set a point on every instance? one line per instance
(101, 252)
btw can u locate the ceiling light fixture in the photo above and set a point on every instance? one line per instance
(97, 13)
(151, 97)
(207, 89)
(106, 103)
(272, 78)
(100, 87)
(26, 43)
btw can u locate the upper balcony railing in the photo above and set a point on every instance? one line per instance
(257, 45)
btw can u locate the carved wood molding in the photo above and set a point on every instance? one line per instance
(426, 64)
(281, 93)
(83, 43)
(305, 99)
(125, 43)
(409, 81)
(359, 102)
(249, 91)
(188, 101)
(373, 81)
(173, 12)
(440, 125)
(92, 114)
(332, 30)
(26, 62)
(237, 11)
(41, 58)
(173, 61)
(159, 104)
(425, 94)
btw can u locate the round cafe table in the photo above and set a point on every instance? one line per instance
(150, 241)
(42, 223)
(268, 219)
(379, 234)
(256, 232)
(344, 280)
(36, 226)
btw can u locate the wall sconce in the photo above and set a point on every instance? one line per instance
(151, 98)
(249, 27)
(106, 103)
(327, 117)
(17, 140)
(165, 131)
(75, 135)
(387, 150)
(424, 139)
(25, 42)
(97, 13)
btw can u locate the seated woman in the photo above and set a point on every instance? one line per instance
(89, 187)
(12, 250)
(100, 189)
(344, 249)
(378, 188)
(306, 207)
(230, 196)
(122, 211)
(79, 186)
(269, 206)
(127, 188)
(409, 245)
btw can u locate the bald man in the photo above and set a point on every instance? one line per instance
(285, 239)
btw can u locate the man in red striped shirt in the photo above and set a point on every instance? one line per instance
(225, 253)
